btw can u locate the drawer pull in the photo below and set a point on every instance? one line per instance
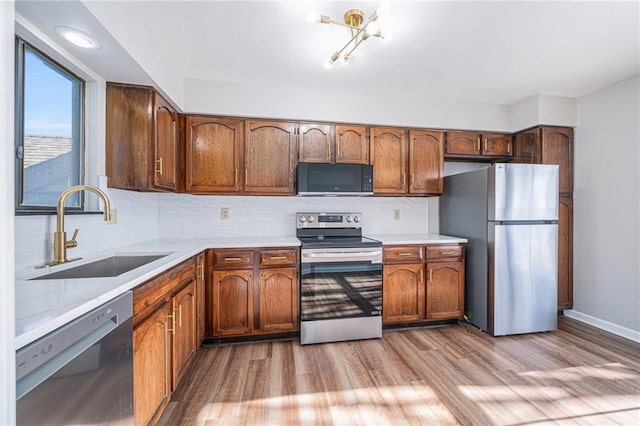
(448, 253)
(277, 257)
(232, 259)
(405, 254)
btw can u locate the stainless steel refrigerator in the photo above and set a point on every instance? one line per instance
(509, 214)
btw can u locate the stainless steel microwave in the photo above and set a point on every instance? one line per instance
(335, 179)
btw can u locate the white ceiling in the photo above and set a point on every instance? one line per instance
(493, 52)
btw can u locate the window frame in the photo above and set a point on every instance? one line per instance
(21, 45)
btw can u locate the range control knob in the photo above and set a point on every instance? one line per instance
(310, 219)
(356, 219)
(349, 219)
(302, 219)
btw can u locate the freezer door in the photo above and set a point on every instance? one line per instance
(524, 277)
(523, 192)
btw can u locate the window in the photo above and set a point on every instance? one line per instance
(49, 132)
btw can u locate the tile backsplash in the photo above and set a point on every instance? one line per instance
(147, 216)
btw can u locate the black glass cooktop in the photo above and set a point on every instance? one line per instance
(337, 242)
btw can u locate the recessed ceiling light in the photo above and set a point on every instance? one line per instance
(78, 38)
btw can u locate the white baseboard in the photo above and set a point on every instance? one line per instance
(616, 329)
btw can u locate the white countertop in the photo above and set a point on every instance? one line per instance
(389, 239)
(44, 305)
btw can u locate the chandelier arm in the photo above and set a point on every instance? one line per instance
(354, 48)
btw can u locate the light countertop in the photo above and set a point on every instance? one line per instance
(391, 239)
(45, 305)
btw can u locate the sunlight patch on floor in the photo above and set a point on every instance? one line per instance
(612, 371)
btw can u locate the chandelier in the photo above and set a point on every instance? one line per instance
(360, 30)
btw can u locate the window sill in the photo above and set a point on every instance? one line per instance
(53, 212)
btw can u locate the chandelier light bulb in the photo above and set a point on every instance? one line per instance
(344, 61)
(313, 17)
(373, 28)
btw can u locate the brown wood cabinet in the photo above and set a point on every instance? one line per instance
(270, 157)
(142, 140)
(554, 145)
(255, 291)
(422, 283)
(352, 144)
(164, 338)
(445, 281)
(426, 162)
(214, 159)
(474, 145)
(565, 252)
(316, 143)
(388, 154)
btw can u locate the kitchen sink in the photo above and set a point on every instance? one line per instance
(108, 267)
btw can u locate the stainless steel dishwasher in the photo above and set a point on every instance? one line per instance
(81, 373)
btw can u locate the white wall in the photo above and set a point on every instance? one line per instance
(370, 107)
(544, 110)
(7, 282)
(607, 205)
(199, 216)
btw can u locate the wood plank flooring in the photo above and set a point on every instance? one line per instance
(447, 375)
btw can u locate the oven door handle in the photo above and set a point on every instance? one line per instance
(344, 256)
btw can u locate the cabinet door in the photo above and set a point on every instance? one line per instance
(389, 158)
(352, 145)
(426, 162)
(565, 253)
(527, 147)
(270, 157)
(463, 143)
(166, 145)
(184, 337)
(200, 298)
(279, 300)
(445, 290)
(403, 293)
(496, 144)
(129, 137)
(557, 148)
(214, 155)
(316, 143)
(232, 302)
(152, 366)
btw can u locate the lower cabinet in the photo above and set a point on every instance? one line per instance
(254, 292)
(164, 338)
(422, 283)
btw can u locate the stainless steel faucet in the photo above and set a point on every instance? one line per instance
(60, 242)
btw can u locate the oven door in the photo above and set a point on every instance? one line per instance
(340, 283)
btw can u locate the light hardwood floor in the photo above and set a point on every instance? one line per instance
(445, 375)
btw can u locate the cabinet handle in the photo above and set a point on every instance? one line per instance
(405, 254)
(232, 259)
(246, 176)
(448, 253)
(430, 275)
(235, 180)
(172, 318)
(508, 147)
(478, 143)
(159, 166)
(485, 144)
(277, 257)
(179, 317)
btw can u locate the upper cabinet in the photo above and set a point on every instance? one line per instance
(388, 154)
(142, 140)
(352, 144)
(317, 143)
(214, 154)
(328, 143)
(426, 162)
(473, 145)
(270, 157)
(548, 145)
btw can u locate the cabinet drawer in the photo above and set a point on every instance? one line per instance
(232, 259)
(278, 257)
(448, 252)
(402, 254)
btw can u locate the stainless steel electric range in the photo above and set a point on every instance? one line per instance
(341, 279)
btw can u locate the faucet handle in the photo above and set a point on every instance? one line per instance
(72, 242)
